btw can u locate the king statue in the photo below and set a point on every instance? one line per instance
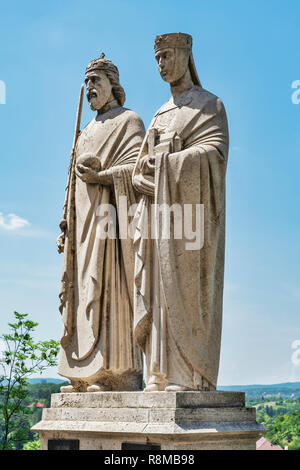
(179, 284)
(98, 351)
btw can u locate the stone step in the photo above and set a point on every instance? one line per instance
(165, 415)
(168, 430)
(149, 400)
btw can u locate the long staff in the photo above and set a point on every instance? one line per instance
(67, 226)
(63, 223)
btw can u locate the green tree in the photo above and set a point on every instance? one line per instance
(285, 431)
(32, 445)
(21, 358)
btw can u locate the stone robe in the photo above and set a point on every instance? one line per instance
(178, 292)
(97, 281)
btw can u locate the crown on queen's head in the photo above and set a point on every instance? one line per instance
(173, 40)
(102, 64)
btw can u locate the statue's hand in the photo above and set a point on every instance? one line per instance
(143, 185)
(147, 165)
(90, 160)
(60, 242)
(87, 175)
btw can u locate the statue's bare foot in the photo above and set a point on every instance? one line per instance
(153, 388)
(176, 388)
(97, 387)
(73, 388)
(67, 389)
(155, 383)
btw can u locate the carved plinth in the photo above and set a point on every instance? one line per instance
(166, 420)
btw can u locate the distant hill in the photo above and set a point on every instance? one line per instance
(236, 388)
(285, 390)
(46, 381)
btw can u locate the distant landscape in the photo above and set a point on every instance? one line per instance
(284, 390)
(46, 381)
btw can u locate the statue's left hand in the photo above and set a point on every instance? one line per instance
(143, 185)
(147, 165)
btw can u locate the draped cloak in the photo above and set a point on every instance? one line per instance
(96, 295)
(178, 292)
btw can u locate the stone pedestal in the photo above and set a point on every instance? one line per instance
(157, 420)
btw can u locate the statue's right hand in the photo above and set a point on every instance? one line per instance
(60, 242)
(90, 160)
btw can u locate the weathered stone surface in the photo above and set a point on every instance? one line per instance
(149, 400)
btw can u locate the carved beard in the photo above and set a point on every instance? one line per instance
(92, 97)
(96, 99)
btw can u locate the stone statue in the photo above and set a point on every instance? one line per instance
(96, 297)
(178, 288)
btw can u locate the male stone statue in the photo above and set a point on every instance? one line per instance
(98, 351)
(178, 291)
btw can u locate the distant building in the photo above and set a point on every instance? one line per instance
(39, 404)
(264, 444)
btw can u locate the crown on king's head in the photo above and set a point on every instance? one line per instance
(173, 40)
(102, 64)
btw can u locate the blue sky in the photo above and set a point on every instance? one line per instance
(246, 52)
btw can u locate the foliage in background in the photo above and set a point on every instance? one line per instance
(21, 358)
(32, 445)
(280, 417)
(285, 431)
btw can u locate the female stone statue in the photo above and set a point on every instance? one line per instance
(178, 288)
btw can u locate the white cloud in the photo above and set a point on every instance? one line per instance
(12, 222)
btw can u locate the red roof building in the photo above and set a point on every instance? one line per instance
(264, 444)
(39, 404)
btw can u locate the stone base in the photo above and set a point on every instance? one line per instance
(133, 420)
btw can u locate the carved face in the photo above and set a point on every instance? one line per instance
(98, 89)
(172, 64)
